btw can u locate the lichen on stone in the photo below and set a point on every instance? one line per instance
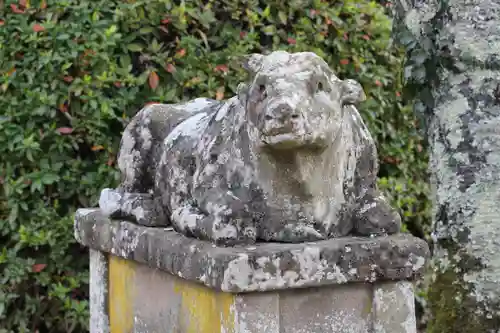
(454, 47)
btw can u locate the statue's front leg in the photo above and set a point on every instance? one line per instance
(135, 207)
(224, 220)
(373, 216)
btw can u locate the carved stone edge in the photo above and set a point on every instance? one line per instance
(261, 267)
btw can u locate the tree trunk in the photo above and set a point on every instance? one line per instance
(453, 71)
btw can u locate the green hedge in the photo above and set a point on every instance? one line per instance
(72, 72)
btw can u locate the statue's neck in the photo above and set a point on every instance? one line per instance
(296, 172)
(306, 172)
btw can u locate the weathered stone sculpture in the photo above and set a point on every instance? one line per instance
(288, 159)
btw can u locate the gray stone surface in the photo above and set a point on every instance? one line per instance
(394, 308)
(260, 267)
(453, 67)
(345, 309)
(98, 298)
(287, 159)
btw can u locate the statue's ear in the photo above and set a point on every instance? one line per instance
(352, 92)
(253, 62)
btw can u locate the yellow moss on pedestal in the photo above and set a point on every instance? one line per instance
(197, 308)
(121, 295)
(205, 310)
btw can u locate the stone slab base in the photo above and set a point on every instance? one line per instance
(146, 300)
(154, 280)
(260, 267)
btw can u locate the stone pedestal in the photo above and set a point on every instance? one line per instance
(156, 280)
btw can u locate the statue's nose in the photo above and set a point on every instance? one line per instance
(282, 112)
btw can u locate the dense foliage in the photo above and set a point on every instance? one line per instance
(72, 73)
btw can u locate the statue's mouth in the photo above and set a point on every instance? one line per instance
(281, 138)
(290, 141)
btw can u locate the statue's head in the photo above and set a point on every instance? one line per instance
(295, 100)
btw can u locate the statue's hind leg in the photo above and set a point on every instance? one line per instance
(133, 199)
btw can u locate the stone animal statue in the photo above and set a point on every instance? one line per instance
(288, 159)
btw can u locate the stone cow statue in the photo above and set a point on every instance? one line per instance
(288, 159)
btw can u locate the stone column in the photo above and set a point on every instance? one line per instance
(453, 70)
(147, 279)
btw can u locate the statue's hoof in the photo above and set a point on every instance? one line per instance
(136, 207)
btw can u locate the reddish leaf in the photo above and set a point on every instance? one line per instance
(221, 68)
(346, 36)
(398, 94)
(117, 84)
(344, 61)
(313, 12)
(23, 3)
(153, 80)
(87, 52)
(15, 9)
(171, 68)
(37, 268)
(291, 41)
(2, 22)
(165, 21)
(366, 37)
(243, 34)
(328, 21)
(97, 148)
(43, 4)
(63, 107)
(378, 83)
(181, 53)
(64, 130)
(391, 160)
(68, 79)
(38, 28)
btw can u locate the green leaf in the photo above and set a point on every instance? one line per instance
(146, 30)
(282, 17)
(49, 178)
(269, 30)
(266, 12)
(13, 214)
(111, 30)
(134, 47)
(125, 61)
(62, 37)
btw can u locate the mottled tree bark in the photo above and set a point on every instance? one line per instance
(453, 67)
